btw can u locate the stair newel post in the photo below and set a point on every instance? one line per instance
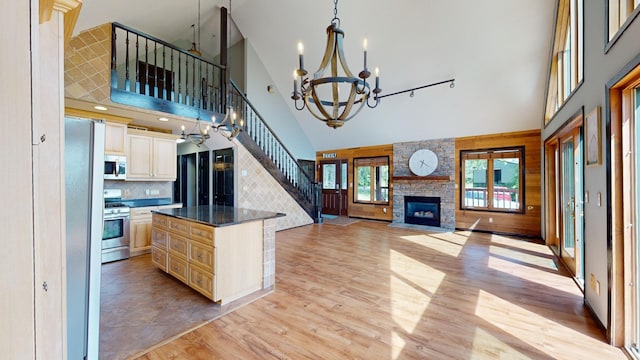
(317, 203)
(223, 56)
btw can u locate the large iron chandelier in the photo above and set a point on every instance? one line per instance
(335, 97)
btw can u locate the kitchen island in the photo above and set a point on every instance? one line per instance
(222, 252)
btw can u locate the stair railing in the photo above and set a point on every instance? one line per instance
(266, 139)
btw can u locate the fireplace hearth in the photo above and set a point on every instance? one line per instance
(422, 210)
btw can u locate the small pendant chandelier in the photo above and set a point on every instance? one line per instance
(194, 50)
(339, 96)
(198, 134)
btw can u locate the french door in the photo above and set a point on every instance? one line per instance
(334, 179)
(564, 189)
(571, 196)
(631, 201)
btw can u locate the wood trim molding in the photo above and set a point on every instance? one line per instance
(97, 115)
(70, 9)
(422, 178)
(70, 18)
(64, 6)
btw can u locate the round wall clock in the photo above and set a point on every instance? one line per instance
(423, 162)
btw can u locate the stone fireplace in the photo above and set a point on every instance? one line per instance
(422, 210)
(406, 187)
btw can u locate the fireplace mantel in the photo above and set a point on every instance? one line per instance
(422, 178)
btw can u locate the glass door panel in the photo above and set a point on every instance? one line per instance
(568, 202)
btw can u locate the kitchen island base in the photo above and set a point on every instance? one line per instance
(223, 263)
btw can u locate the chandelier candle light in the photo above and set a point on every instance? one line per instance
(321, 95)
(230, 126)
(197, 136)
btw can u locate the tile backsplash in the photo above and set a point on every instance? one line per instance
(141, 189)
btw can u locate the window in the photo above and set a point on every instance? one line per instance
(567, 64)
(372, 178)
(619, 12)
(492, 179)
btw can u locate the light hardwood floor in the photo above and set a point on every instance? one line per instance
(370, 291)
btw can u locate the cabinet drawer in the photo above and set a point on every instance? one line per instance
(178, 268)
(159, 238)
(201, 233)
(201, 281)
(142, 211)
(178, 245)
(160, 221)
(159, 258)
(201, 255)
(179, 226)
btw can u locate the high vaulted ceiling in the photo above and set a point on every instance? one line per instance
(497, 50)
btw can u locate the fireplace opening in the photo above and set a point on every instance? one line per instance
(422, 210)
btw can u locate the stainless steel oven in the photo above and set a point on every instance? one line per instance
(115, 234)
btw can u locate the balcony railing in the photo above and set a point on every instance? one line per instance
(172, 80)
(149, 73)
(503, 198)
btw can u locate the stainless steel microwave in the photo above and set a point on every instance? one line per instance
(115, 167)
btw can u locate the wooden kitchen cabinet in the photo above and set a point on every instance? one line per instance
(151, 156)
(140, 235)
(221, 263)
(115, 139)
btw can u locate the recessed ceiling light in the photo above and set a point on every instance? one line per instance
(163, 119)
(100, 107)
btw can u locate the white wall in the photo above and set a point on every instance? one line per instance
(16, 268)
(599, 68)
(273, 108)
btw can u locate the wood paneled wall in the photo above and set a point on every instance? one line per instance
(367, 211)
(527, 223)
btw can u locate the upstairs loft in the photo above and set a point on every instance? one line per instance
(115, 65)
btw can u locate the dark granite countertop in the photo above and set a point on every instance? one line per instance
(218, 215)
(147, 202)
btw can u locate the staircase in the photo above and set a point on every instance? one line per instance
(258, 138)
(149, 73)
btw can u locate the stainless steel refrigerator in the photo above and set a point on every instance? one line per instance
(84, 161)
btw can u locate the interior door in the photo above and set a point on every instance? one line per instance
(223, 177)
(333, 176)
(203, 178)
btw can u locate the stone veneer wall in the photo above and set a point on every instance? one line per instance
(260, 191)
(445, 149)
(269, 265)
